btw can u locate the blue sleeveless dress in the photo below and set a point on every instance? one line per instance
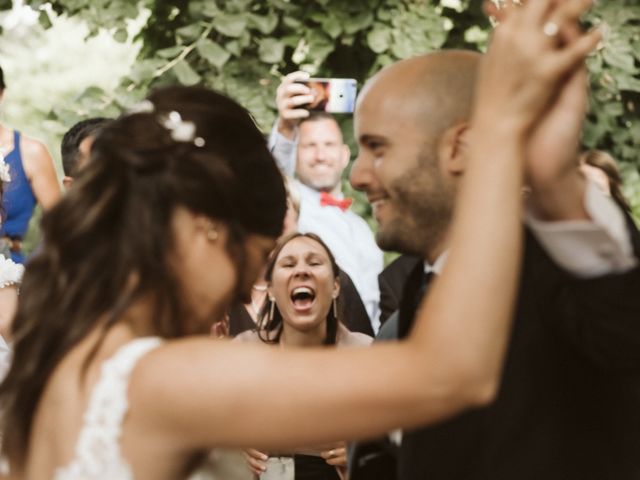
(18, 200)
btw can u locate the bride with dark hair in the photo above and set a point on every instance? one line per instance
(114, 376)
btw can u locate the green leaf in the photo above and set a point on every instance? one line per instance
(190, 32)
(143, 70)
(292, 23)
(331, 26)
(44, 20)
(271, 50)
(359, 22)
(120, 35)
(385, 14)
(212, 53)
(628, 83)
(234, 47)
(185, 74)
(244, 40)
(230, 25)
(210, 9)
(613, 109)
(265, 23)
(379, 40)
(624, 61)
(170, 52)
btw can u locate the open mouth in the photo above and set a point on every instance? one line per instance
(302, 298)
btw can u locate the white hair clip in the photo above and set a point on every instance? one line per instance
(180, 130)
(5, 175)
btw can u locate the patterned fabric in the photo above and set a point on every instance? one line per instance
(98, 455)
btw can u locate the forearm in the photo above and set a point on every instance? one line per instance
(286, 129)
(561, 199)
(283, 150)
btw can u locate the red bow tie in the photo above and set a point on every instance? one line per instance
(328, 200)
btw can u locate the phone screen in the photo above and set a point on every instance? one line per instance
(333, 95)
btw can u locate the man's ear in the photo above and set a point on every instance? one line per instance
(67, 182)
(452, 149)
(336, 287)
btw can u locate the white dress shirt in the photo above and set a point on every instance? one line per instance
(589, 248)
(347, 235)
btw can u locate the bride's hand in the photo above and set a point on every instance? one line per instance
(527, 59)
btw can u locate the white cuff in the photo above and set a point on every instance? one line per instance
(588, 248)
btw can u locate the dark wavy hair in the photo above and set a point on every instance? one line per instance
(115, 225)
(267, 325)
(2, 84)
(606, 163)
(70, 145)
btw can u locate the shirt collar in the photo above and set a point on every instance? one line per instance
(308, 191)
(438, 265)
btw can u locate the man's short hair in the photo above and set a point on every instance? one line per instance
(316, 116)
(72, 140)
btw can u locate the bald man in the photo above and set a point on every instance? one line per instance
(569, 403)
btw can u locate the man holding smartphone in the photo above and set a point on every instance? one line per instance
(309, 145)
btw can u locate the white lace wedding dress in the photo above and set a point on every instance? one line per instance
(97, 453)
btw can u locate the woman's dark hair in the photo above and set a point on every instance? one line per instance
(188, 147)
(2, 84)
(266, 325)
(606, 163)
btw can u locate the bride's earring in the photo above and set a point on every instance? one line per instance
(212, 235)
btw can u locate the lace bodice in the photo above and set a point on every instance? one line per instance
(98, 454)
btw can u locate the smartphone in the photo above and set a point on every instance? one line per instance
(333, 95)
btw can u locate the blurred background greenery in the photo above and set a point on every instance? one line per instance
(70, 59)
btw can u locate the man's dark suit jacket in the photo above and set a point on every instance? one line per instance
(391, 282)
(569, 403)
(352, 312)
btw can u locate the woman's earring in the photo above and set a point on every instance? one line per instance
(272, 308)
(335, 309)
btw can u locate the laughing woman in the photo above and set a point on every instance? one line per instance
(302, 311)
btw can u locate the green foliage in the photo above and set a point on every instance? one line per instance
(244, 46)
(613, 123)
